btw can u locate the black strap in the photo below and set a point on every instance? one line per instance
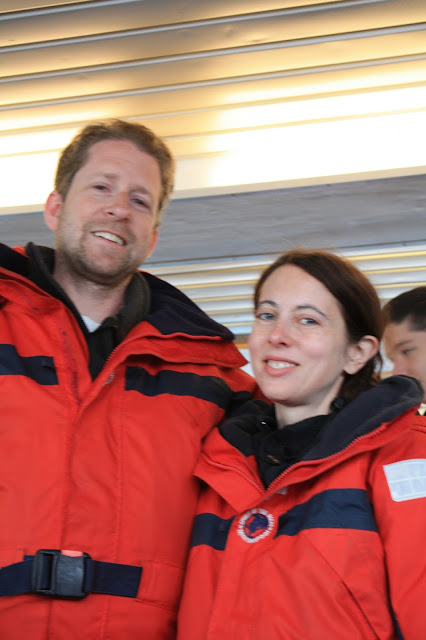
(52, 573)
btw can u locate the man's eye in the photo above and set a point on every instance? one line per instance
(140, 203)
(100, 187)
(405, 352)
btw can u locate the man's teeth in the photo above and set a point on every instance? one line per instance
(109, 236)
(275, 364)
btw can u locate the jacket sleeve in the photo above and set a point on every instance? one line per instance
(398, 489)
(240, 382)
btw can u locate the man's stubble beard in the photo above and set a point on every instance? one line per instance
(79, 263)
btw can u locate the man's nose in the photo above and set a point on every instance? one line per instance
(120, 206)
(400, 369)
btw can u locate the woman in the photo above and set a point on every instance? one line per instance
(312, 522)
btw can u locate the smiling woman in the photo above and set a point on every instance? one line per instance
(299, 345)
(313, 497)
(346, 301)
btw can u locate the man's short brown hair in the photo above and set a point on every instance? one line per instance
(411, 306)
(75, 155)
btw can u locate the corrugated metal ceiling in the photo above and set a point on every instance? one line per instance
(198, 71)
(182, 65)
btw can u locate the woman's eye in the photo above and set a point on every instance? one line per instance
(100, 187)
(265, 315)
(308, 321)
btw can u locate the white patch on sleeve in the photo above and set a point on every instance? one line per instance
(406, 479)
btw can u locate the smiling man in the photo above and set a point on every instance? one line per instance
(405, 334)
(109, 380)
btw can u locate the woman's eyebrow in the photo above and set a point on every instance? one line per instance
(303, 307)
(299, 307)
(270, 303)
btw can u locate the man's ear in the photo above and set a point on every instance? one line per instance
(360, 352)
(52, 209)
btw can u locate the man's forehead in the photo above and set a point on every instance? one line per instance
(397, 335)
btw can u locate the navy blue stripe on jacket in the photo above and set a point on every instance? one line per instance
(331, 509)
(40, 368)
(210, 530)
(178, 383)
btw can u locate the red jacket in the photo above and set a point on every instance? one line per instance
(334, 548)
(104, 466)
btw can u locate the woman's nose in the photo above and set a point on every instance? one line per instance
(280, 334)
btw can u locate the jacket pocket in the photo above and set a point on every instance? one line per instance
(354, 563)
(161, 585)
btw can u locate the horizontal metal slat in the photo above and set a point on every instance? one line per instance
(224, 288)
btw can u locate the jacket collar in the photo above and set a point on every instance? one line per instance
(370, 421)
(172, 314)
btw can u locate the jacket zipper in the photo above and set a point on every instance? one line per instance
(311, 463)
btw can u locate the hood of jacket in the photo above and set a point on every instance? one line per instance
(368, 422)
(172, 313)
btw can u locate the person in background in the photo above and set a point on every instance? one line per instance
(312, 522)
(110, 378)
(404, 337)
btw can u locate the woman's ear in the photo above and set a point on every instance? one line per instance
(360, 352)
(52, 209)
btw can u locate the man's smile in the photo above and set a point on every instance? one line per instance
(112, 237)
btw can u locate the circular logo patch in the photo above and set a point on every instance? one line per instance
(255, 525)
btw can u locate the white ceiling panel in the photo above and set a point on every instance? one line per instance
(202, 73)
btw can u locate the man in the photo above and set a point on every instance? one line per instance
(110, 378)
(405, 334)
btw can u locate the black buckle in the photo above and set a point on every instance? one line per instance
(57, 574)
